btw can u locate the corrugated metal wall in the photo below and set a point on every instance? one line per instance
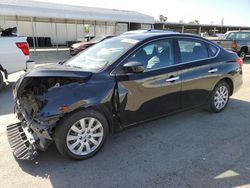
(67, 30)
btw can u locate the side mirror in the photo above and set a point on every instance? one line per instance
(133, 67)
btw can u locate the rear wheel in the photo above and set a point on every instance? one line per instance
(243, 53)
(219, 97)
(82, 134)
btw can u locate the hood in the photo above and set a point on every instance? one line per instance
(56, 70)
(50, 75)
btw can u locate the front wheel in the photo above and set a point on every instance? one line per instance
(219, 97)
(82, 134)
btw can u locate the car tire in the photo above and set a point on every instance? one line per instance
(82, 134)
(1, 80)
(242, 53)
(219, 97)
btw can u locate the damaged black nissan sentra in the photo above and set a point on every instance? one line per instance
(119, 82)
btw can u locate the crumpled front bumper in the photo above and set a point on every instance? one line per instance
(26, 136)
(21, 141)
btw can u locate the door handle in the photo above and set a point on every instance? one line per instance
(172, 79)
(213, 70)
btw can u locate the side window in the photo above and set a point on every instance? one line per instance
(155, 55)
(242, 36)
(212, 50)
(231, 36)
(192, 50)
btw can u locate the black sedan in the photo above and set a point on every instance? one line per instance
(117, 83)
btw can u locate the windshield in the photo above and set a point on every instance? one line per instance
(102, 54)
(97, 39)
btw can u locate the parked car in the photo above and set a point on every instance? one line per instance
(237, 41)
(80, 46)
(14, 56)
(118, 83)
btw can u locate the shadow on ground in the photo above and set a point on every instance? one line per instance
(188, 149)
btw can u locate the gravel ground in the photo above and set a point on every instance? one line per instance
(190, 149)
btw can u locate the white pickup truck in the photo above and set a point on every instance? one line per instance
(14, 56)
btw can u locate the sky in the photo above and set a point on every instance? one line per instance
(234, 12)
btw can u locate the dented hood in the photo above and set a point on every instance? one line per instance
(50, 71)
(56, 70)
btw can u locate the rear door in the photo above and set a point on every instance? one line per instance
(154, 92)
(199, 70)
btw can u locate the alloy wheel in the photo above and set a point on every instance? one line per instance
(221, 97)
(84, 136)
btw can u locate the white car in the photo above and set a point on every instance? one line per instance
(14, 56)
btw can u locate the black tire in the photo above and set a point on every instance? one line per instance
(242, 53)
(211, 106)
(1, 80)
(64, 126)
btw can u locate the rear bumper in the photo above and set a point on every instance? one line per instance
(237, 85)
(21, 141)
(237, 81)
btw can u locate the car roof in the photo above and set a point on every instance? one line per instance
(238, 31)
(147, 31)
(148, 35)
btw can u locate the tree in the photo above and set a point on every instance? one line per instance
(163, 18)
(86, 28)
(195, 22)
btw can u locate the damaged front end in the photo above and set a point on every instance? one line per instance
(21, 141)
(40, 99)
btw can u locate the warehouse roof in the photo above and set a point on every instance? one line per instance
(52, 10)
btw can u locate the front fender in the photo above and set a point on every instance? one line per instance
(70, 97)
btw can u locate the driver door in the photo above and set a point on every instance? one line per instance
(156, 91)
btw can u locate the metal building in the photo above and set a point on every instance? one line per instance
(62, 23)
(197, 28)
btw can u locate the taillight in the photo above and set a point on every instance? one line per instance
(234, 44)
(24, 47)
(239, 61)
